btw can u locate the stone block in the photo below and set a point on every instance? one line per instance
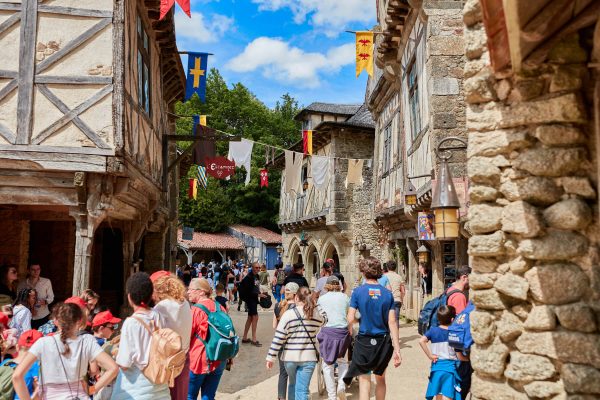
(446, 46)
(444, 86)
(565, 346)
(488, 389)
(522, 218)
(480, 88)
(544, 389)
(483, 264)
(571, 214)
(557, 283)
(579, 186)
(576, 317)
(482, 281)
(480, 194)
(551, 161)
(444, 121)
(566, 78)
(580, 378)
(482, 327)
(512, 286)
(526, 89)
(568, 108)
(473, 67)
(509, 327)
(521, 310)
(484, 218)
(475, 41)
(489, 359)
(559, 135)
(541, 318)
(488, 299)
(535, 190)
(555, 245)
(487, 245)
(568, 51)
(482, 171)
(519, 265)
(489, 144)
(528, 368)
(472, 12)
(503, 88)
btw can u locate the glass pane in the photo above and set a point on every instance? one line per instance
(140, 66)
(146, 90)
(139, 26)
(146, 41)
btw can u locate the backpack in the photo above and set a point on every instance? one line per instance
(167, 357)
(459, 332)
(221, 341)
(7, 391)
(428, 315)
(280, 276)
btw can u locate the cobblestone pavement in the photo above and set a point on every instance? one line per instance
(250, 380)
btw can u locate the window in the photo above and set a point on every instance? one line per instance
(143, 64)
(413, 100)
(387, 148)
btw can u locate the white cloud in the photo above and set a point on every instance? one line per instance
(277, 59)
(201, 29)
(331, 16)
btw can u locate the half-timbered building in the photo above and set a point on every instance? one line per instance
(85, 91)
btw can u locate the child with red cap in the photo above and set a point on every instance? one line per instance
(104, 326)
(26, 340)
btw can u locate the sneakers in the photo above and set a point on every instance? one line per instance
(341, 393)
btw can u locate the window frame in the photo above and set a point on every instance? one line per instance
(143, 67)
(412, 83)
(387, 149)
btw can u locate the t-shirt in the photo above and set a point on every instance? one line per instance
(320, 287)
(176, 316)
(30, 376)
(221, 300)
(457, 300)
(134, 348)
(48, 350)
(263, 278)
(383, 281)
(374, 302)
(439, 343)
(198, 361)
(21, 320)
(296, 278)
(334, 305)
(396, 283)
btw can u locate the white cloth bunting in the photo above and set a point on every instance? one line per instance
(241, 154)
(355, 175)
(320, 171)
(293, 170)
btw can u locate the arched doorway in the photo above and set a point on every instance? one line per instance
(331, 252)
(295, 256)
(312, 262)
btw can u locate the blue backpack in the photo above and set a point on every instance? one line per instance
(428, 315)
(459, 332)
(221, 342)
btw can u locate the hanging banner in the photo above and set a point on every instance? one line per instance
(193, 189)
(307, 142)
(264, 178)
(220, 167)
(166, 5)
(425, 223)
(196, 76)
(364, 52)
(202, 179)
(241, 153)
(203, 149)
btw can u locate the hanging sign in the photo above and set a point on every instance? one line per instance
(264, 178)
(188, 233)
(220, 167)
(425, 223)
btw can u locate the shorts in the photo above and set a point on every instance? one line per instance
(252, 307)
(230, 286)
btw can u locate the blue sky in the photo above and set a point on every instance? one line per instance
(279, 46)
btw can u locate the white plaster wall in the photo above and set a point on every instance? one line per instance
(105, 5)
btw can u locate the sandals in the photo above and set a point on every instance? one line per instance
(256, 344)
(246, 341)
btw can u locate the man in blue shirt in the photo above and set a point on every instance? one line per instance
(377, 341)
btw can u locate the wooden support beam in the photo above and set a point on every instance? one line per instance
(72, 80)
(8, 74)
(9, 22)
(7, 134)
(26, 70)
(10, 6)
(78, 12)
(6, 90)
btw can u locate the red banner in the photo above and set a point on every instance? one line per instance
(264, 178)
(166, 5)
(219, 167)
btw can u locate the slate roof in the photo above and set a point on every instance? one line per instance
(361, 119)
(210, 241)
(267, 236)
(329, 108)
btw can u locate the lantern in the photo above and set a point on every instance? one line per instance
(410, 197)
(423, 254)
(445, 204)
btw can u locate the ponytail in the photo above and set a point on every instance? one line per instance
(304, 296)
(68, 316)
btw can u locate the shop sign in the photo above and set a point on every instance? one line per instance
(219, 167)
(425, 223)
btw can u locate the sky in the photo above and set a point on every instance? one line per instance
(275, 47)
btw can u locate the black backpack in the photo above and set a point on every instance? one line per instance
(428, 315)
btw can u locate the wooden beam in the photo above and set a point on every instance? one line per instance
(73, 115)
(26, 71)
(6, 90)
(4, 74)
(57, 149)
(9, 22)
(10, 6)
(15, 159)
(72, 80)
(34, 195)
(78, 12)
(7, 134)
(511, 15)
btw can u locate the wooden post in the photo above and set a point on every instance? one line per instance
(84, 239)
(29, 21)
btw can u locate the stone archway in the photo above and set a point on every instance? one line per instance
(332, 252)
(294, 253)
(312, 262)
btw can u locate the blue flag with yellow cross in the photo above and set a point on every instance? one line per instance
(196, 76)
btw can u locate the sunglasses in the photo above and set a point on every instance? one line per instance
(9, 315)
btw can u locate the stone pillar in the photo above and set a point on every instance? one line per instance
(534, 252)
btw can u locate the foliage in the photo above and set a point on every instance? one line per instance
(237, 111)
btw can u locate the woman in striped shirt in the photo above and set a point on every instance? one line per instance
(296, 335)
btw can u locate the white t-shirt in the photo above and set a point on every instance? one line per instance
(320, 286)
(335, 306)
(134, 348)
(21, 320)
(177, 316)
(84, 349)
(44, 292)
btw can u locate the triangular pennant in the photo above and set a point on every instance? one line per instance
(264, 178)
(166, 5)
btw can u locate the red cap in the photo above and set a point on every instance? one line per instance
(78, 301)
(105, 317)
(158, 274)
(4, 319)
(28, 338)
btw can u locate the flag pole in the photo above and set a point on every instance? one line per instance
(373, 32)
(193, 52)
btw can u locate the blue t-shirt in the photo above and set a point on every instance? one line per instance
(439, 343)
(374, 303)
(383, 281)
(34, 372)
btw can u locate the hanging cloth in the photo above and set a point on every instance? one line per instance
(203, 149)
(241, 154)
(355, 168)
(293, 171)
(307, 146)
(319, 167)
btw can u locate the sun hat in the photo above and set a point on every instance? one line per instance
(292, 287)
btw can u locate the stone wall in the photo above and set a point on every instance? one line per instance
(536, 277)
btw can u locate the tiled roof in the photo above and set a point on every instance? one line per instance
(210, 241)
(361, 119)
(258, 232)
(331, 108)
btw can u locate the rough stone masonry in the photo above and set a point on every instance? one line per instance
(534, 253)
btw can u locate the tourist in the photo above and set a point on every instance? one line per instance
(377, 341)
(45, 295)
(23, 311)
(326, 272)
(281, 307)
(8, 284)
(176, 314)
(297, 276)
(230, 283)
(459, 298)
(134, 348)
(296, 335)
(27, 339)
(444, 382)
(397, 285)
(104, 326)
(204, 376)
(426, 283)
(335, 336)
(91, 299)
(220, 298)
(278, 279)
(217, 269)
(263, 278)
(64, 359)
(250, 292)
